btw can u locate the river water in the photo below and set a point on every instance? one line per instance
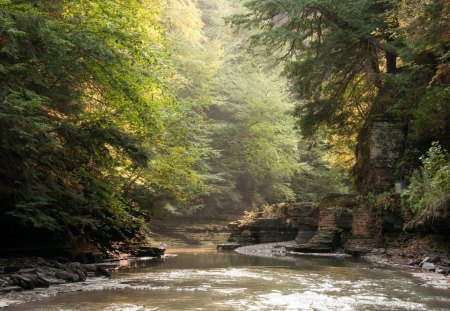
(202, 279)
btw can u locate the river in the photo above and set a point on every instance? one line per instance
(202, 279)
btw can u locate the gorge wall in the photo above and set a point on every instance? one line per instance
(350, 223)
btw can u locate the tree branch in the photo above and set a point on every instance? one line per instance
(336, 20)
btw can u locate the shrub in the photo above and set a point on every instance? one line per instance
(429, 188)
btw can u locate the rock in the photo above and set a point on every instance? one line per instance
(31, 276)
(27, 271)
(444, 271)
(149, 251)
(11, 269)
(426, 259)
(429, 266)
(227, 246)
(9, 289)
(58, 265)
(67, 276)
(72, 267)
(305, 236)
(4, 282)
(103, 271)
(89, 268)
(22, 281)
(321, 242)
(82, 276)
(49, 279)
(263, 230)
(42, 281)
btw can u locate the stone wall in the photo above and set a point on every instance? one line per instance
(366, 229)
(355, 224)
(365, 223)
(380, 145)
(327, 220)
(334, 224)
(262, 230)
(289, 220)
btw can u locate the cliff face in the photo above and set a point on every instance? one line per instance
(354, 224)
(282, 224)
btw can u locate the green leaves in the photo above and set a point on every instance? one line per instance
(352, 61)
(87, 116)
(429, 191)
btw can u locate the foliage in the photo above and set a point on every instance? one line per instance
(350, 62)
(88, 134)
(239, 111)
(248, 218)
(429, 190)
(113, 111)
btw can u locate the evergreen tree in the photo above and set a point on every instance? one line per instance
(350, 62)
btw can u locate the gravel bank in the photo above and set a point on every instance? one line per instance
(278, 250)
(268, 250)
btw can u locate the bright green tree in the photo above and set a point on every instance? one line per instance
(88, 138)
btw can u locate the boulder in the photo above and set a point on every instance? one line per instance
(58, 265)
(67, 276)
(72, 267)
(428, 266)
(22, 281)
(42, 281)
(321, 242)
(426, 259)
(89, 268)
(103, 271)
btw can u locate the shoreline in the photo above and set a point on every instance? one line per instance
(278, 250)
(27, 279)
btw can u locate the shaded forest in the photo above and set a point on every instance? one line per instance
(112, 113)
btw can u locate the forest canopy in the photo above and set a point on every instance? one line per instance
(88, 117)
(112, 112)
(350, 62)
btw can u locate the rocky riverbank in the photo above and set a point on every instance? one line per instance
(28, 278)
(33, 272)
(431, 271)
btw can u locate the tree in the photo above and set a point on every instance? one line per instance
(87, 119)
(350, 62)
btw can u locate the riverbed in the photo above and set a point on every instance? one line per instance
(199, 278)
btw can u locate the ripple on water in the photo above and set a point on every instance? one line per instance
(245, 287)
(310, 300)
(129, 307)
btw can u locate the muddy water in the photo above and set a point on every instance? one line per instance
(201, 279)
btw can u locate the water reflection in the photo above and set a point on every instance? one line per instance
(205, 280)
